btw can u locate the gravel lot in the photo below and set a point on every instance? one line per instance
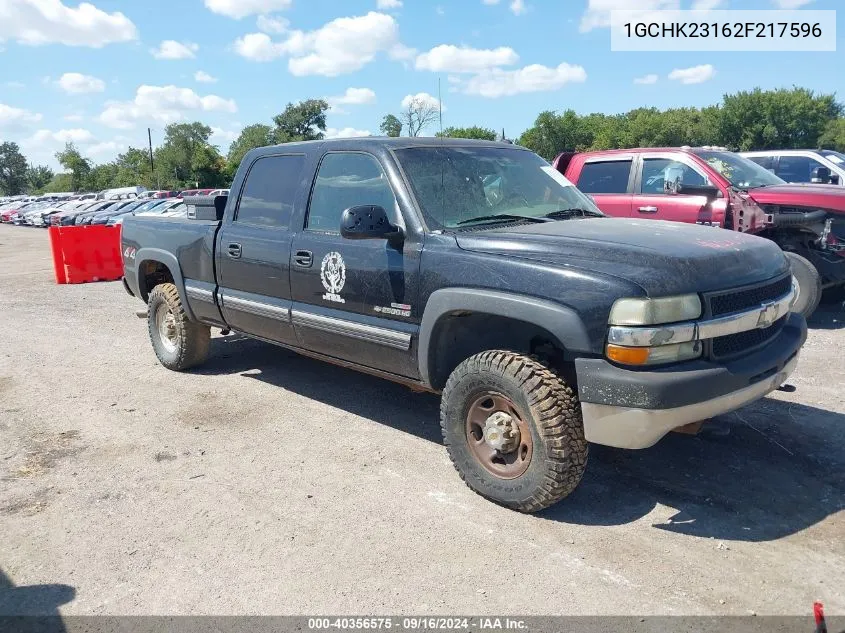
(266, 483)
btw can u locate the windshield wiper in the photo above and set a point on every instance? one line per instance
(565, 214)
(503, 217)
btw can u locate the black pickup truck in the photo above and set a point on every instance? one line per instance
(475, 270)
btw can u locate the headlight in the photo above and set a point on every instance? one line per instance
(663, 354)
(655, 311)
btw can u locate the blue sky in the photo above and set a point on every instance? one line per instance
(101, 75)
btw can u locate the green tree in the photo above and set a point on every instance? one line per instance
(60, 183)
(474, 132)
(303, 121)
(38, 177)
(252, 136)
(833, 136)
(186, 159)
(76, 164)
(13, 170)
(391, 126)
(133, 168)
(776, 119)
(102, 177)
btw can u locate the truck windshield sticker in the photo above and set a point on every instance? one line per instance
(333, 276)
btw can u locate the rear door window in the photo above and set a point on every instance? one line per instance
(797, 168)
(605, 176)
(270, 190)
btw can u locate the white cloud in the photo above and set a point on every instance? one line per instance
(75, 135)
(518, 7)
(161, 104)
(73, 118)
(238, 9)
(77, 83)
(597, 14)
(272, 25)
(421, 98)
(354, 96)
(347, 132)
(707, 5)
(203, 77)
(222, 137)
(534, 78)
(171, 49)
(341, 46)
(791, 4)
(258, 47)
(646, 80)
(106, 148)
(389, 4)
(37, 22)
(693, 75)
(450, 58)
(16, 116)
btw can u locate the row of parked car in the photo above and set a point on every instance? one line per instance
(82, 210)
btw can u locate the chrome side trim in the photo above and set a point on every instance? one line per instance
(626, 427)
(760, 317)
(379, 335)
(200, 294)
(255, 307)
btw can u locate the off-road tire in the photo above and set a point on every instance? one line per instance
(193, 340)
(809, 284)
(552, 412)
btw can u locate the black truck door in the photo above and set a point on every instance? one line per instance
(253, 250)
(353, 298)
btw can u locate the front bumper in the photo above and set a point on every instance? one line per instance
(628, 408)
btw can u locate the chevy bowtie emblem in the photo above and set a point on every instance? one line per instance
(768, 315)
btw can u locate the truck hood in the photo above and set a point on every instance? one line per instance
(828, 197)
(664, 258)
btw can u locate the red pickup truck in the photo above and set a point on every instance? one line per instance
(718, 188)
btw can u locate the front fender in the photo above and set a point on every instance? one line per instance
(562, 322)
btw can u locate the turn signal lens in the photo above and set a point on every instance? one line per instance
(628, 355)
(639, 356)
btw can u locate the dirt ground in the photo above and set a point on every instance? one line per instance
(267, 483)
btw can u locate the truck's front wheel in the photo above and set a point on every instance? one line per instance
(513, 430)
(808, 284)
(179, 343)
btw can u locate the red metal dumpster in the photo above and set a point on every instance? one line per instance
(86, 253)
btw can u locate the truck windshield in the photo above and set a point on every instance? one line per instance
(836, 157)
(741, 172)
(462, 186)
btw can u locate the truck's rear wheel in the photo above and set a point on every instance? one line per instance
(513, 430)
(179, 343)
(808, 284)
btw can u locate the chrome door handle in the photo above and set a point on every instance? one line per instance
(234, 250)
(303, 259)
(648, 209)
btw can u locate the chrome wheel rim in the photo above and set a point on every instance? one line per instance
(166, 325)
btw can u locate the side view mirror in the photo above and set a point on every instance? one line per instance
(708, 191)
(368, 222)
(822, 176)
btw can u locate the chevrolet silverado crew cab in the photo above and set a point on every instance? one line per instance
(718, 188)
(475, 270)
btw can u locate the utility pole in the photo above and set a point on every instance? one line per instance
(152, 164)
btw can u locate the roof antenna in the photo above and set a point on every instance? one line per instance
(440, 106)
